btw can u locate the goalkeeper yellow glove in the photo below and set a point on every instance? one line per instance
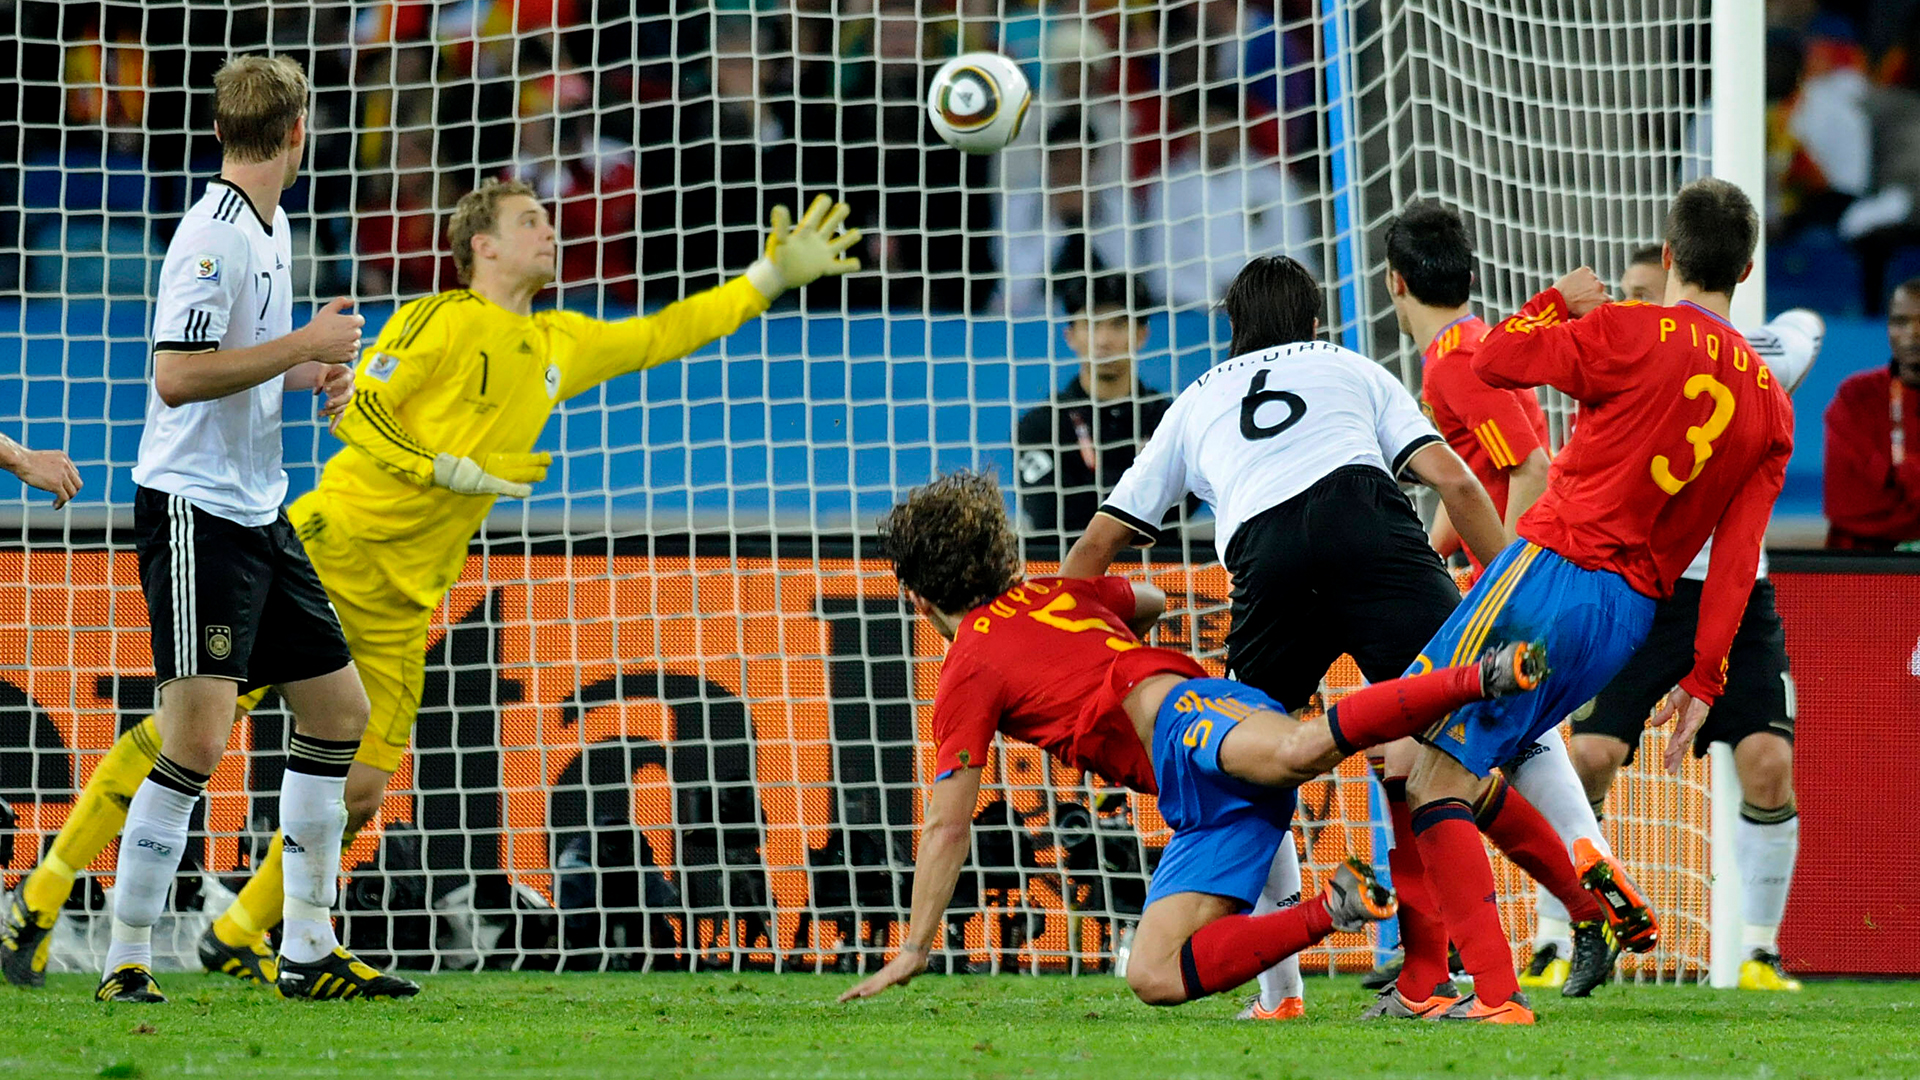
(512, 475)
(801, 253)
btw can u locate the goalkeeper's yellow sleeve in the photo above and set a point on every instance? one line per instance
(606, 349)
(408, 352)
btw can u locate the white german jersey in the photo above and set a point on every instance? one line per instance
(1259, 429)
(1788, 345)
(227, 283)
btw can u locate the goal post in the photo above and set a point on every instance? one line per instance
(1740, 156)
(675, 711)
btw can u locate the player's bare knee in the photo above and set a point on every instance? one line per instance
(1765, 765)
(1400, 755)
(197, 750)
(342, 719)
(1596, 758)
(197, 743)
(1156, 983)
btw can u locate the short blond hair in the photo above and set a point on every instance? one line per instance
(478, 211)
(256, 102)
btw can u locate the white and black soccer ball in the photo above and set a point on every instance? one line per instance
(978, 101)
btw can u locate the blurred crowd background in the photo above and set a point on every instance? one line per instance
(664, 131)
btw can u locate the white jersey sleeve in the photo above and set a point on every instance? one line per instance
(1789, 345)
(1157, 480)
(200, 282)
(1399, 423)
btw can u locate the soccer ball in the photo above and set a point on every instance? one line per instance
(978, 101)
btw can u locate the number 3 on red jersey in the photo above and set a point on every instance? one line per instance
(1701, 435)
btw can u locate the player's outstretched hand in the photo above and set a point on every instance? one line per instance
(1582, 290)
(334, 387)
(333, 334)
(1693, 715)
(898, 972)
(798, 254)
(49, 470)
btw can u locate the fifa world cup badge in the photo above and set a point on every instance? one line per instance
(553, 381)
(206, 268)
(219, 641)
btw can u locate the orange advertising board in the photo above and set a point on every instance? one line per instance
(760, 703)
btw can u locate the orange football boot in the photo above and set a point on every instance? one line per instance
(1292, 1008)
(1514, 1010)
(1629, 915)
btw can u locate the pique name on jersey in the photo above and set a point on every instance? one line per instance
(1713, 345)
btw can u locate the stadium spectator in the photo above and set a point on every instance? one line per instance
(716, 153)
(1824, 131)
(1077, 75)
(1873, 442)
(1243, 48)
(588, 179)
(1214, 210)
(107, 81)
(926, 205)
(1068, 227)
(1073, 449)
(396, 231)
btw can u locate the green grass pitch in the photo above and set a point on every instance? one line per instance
(1088, 1028)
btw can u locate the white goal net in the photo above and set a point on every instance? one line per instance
(675, 709)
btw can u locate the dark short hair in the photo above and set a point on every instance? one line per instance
(1911, 287)
(1272, 301)
(1428, 245)
(1650, 255)
(1103, 292)
(951, 543)
(1712, 230)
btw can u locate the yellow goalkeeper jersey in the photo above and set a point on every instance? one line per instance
(455, 373)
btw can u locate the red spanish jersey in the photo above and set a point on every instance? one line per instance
(1049, 662)
(1683, 434)
(1492, 430)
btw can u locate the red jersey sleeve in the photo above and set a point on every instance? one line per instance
(1116, 595)
(1497, 419)
(966, 712)
(1588, 358)
(1730, 573)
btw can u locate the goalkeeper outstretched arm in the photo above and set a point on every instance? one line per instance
(503, 245)
(797, 254)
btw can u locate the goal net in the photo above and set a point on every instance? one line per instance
(675, 710)
(1561, 132)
